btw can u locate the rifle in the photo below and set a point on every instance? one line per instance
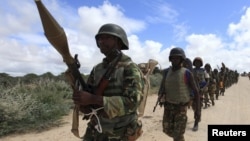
(57, 38)
(157, 102)
(162, 89)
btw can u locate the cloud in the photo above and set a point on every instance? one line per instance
(240, 32)
(214, 50)
(161, 12)
(24, 48)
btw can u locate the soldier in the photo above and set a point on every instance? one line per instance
(211, 86)
(188, 64)
(116, 119)
(217, 89)
(175, 95)
(201, 76)
(222, 80)
(201, 79)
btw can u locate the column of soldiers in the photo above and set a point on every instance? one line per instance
(211, 82)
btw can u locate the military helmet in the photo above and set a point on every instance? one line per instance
(177, 51)
(198, 59)
(115, 30)
(216, 70)
(207, 65)
(188, 63)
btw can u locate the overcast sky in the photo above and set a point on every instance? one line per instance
(215, 30)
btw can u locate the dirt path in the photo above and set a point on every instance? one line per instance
(233, 108)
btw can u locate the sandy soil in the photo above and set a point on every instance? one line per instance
(233, 108)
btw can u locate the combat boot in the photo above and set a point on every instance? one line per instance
(196, 126)
(205, 106)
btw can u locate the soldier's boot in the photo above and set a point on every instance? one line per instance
(180, 138)
(222, 93)
(196, 126)
(213, 102)
(198, 120)
(206, 105)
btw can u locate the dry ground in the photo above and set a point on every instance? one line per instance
(233, 108)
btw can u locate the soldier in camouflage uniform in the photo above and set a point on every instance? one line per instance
(222, 81)
(211, 85)
(118, 120)
(201, 78)
(177, 83)
(188, 64)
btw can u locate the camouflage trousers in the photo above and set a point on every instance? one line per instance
(210, 93)
(217, 91)
(175, 120)
(91, 134)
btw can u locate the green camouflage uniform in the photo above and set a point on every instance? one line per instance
(217, 88)
(211, 89)
(222, 81)
(200, 76)
(121, 99)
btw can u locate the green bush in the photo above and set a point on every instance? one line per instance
(35, 106)
(155, 82)
(35, 103)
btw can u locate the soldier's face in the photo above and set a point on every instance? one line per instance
(176, 61)
(197, 64)
(107, 43)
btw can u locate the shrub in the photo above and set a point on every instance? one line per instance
(34, 106)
